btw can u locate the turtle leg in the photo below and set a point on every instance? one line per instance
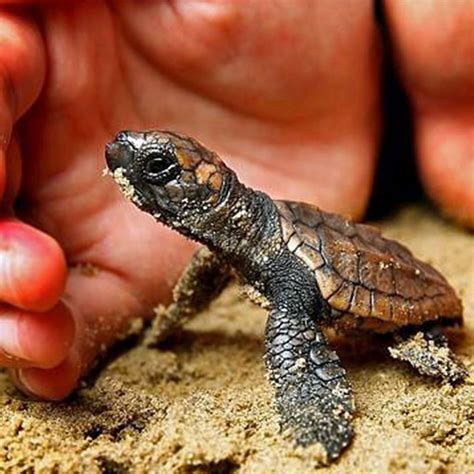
(428, 352)
(313, 396)
(202, 281)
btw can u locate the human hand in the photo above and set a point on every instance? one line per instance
(288, 95)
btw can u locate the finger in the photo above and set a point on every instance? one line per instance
(99, 322)
(35, 340)
(22, 60)
(438, 73)
(32, 267)
(446, 164)
(22, 71)
(92, 336)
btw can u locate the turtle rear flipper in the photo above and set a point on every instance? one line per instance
(313, 397)
(428, 352)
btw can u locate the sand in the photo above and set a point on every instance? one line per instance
(202, 404)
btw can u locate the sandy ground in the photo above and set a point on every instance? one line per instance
(202, 404)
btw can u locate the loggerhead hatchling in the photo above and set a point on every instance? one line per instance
(310, 268)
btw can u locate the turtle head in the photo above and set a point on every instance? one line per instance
(171, 176)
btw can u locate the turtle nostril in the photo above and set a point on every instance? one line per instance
(122, 136)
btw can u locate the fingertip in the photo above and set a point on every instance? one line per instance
(49, 384)
(32, 266)
(446, 166)
(447, 187)
(46, 339)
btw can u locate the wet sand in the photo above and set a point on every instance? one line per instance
(202, 404)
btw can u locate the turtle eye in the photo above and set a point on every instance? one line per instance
(160, 169)
(157, 164)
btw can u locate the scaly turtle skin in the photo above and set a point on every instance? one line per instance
(309, 268)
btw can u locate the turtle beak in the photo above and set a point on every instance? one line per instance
(118, 154)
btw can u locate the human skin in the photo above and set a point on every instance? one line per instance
(288, 93)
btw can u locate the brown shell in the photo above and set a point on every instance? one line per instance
(360, 273)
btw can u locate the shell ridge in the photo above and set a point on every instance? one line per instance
(361, 273)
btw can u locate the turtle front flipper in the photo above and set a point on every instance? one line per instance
(428, 352)
(202, 281)
(313, 396)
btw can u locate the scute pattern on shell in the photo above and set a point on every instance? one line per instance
(361, 273)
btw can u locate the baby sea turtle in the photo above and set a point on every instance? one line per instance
(310, 268)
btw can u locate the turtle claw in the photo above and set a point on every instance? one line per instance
(322, 419)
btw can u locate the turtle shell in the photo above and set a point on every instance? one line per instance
(361, 273)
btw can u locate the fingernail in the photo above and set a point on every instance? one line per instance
(22, 383)
(9, 344)
(8, 356)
